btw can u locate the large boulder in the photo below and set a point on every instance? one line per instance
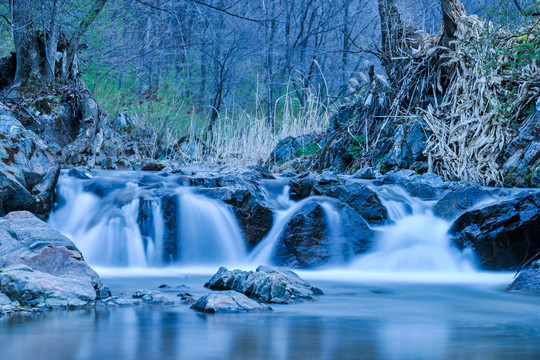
(504, 235)
(227, 302)
(528, 280)
(41, 267)
(28, 171)
(321, 233)
(267, 284)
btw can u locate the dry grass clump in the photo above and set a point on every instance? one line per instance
(247, 138)
(488, 80)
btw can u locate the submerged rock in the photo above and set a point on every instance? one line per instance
(227, 302)
(41, 267)
(267, 284)
(528, 281)
(186, 298)
(503, 235)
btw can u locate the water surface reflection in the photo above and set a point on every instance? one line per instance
(352, 321)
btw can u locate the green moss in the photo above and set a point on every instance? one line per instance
(383, 166)
(308, 150)
(529, 176)
(511, 175)
(357, 148)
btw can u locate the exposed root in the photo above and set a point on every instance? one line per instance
(472, 95)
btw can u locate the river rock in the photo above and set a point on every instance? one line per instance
(28, 171)
(503, 235)
(459, 200)
(41, 267)
(228, 302)
(252, 211)
(153, 297)
(301, 186)
(426, 186)
(267, 284)
(308, 241)
(528, 280)
(366, 173)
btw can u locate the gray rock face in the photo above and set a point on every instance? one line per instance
(522, 156)
(528, 281)
(288, 148)
(459, 200)
(267, 284)
(28, 171)
(41, 267)
(228, 302)
(503, 235)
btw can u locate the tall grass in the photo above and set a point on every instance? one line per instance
(248, 138)
(240, 136)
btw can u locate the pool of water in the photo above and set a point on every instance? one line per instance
(357, 318)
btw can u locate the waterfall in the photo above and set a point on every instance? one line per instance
(209, 234)
(417, 243)
(129, 225)
(138, 220)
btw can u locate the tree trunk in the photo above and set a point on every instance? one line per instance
(28, 72)
(451, 9)
(397, 38)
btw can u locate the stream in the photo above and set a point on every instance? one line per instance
(411, 296)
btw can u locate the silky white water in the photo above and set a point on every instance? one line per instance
(130, 226)
(109, 230)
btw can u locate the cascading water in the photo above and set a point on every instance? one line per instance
(116, 223)
(417, 243)
(209, 234)
(132, 223)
